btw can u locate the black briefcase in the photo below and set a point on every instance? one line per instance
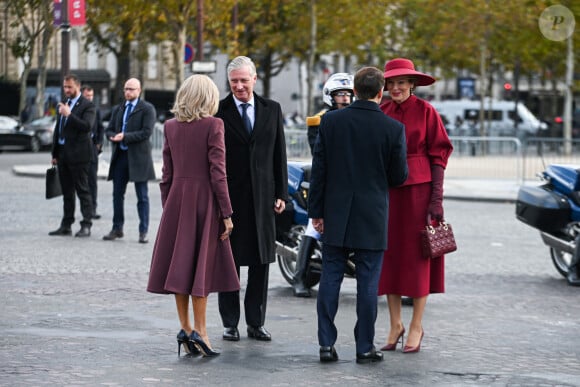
(53, 188)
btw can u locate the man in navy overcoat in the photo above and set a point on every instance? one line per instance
(358, 155)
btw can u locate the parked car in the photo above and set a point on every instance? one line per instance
(43, 128)
(33, 136)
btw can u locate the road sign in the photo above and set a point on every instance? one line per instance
(189, 53)
(208, 66)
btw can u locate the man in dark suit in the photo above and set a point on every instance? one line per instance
(97, 134)
(130, 128)
(258, 188)
(359, 153)
(71, 152)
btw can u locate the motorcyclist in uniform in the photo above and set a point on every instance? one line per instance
(337, 93)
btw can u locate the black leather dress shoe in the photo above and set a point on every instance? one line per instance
(231, 334)
(113, 234)
(328, 354)
(61, 231)
(84, 232)
(259, 333)
(143, 238)
(369, 357)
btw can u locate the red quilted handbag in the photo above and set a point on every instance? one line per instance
(437, 240)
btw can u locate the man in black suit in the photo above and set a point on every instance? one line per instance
(97, 134)
(258, 188)
(71, 152)
(130, 128)
(359, 154)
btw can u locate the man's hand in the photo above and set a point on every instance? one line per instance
(318, 224)
(117, 137)
(63, 109)
(279, 206)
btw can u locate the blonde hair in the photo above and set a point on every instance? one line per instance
(198, 97)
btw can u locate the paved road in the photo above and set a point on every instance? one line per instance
(75, 312)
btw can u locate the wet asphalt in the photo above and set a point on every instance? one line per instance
(75, 312)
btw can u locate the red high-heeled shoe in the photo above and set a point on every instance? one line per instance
(407, 349)
(392, 347)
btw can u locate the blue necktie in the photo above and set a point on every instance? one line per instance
(245, 118)
(61, 125)
(128, 110)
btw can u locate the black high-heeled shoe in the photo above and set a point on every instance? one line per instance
(188, 346)
(205, 350)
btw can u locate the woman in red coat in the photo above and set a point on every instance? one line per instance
(192, 255)
(419, 200)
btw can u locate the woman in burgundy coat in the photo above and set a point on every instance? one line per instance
(412, 205)
(192, 255)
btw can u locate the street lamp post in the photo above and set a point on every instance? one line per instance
(199, 53)
(65, 39)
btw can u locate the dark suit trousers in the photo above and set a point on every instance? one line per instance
(93, 169)
(74, 178)
(368, 268)
(120, 181)
(254, 300)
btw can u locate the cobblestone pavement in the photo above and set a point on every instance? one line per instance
(75, 311)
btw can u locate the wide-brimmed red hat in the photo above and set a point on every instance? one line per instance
(400, 67)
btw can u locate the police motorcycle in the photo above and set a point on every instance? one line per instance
(292, 226)
(553, 208)
(292, 223)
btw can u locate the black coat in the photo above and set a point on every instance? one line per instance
(139, 128)
(98, 130)
(257, 176)
(78, 146)
(359, 154)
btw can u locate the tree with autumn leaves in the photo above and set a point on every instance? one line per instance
(481, 37)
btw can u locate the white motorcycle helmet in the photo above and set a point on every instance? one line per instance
(338, 81)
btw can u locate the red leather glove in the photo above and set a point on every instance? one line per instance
(435, 211)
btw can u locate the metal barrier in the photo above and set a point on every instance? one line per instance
(297, 146)
(507, 157)
(542, 151)
(473, 157)
(485, 158)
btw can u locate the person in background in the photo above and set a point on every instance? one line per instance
(405, 272)
(71, 152)
(192, 256)
(97, 134)
(337, 93)
(258, 186)
(129, 130)
(358, 155)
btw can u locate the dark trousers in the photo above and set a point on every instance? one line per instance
(120, 181)
(254, 300)
(74, 178)
(93, 169)
(368, 268)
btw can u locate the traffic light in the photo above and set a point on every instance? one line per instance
(507, 91)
